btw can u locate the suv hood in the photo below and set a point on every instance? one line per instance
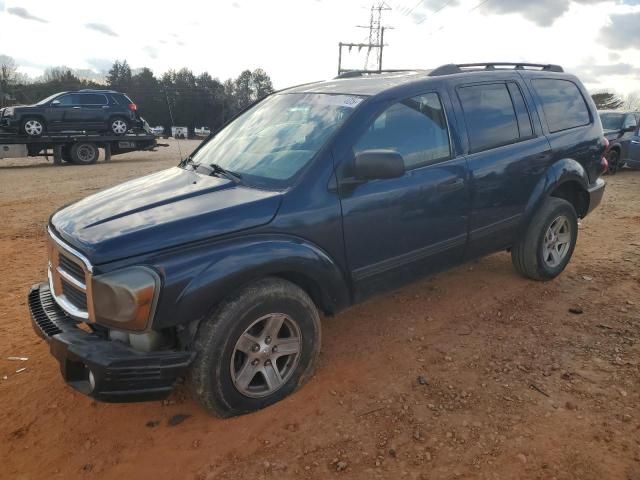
(162, 210)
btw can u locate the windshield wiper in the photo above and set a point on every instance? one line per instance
(217, 169)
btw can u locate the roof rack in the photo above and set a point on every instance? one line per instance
(101, 90)
(362, 73)
(474, 67)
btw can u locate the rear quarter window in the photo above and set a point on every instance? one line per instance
(563, 105)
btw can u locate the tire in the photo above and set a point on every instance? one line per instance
(246, 322)
(531, 256)
(118, 126)
(33, 127)
(84, 153)
(613, 158)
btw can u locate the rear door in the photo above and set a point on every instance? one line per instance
(90, 112)
(507, 156)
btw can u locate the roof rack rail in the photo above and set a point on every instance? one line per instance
(465, 67)
(362, 73)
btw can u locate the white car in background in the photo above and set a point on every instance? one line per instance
(203, 131)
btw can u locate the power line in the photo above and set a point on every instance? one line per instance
(375, 39)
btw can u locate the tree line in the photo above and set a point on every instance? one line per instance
(177, 97)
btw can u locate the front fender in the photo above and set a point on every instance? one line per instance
(562, 171)
(199, 278)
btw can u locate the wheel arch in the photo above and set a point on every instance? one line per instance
(233, 266)
(565, 179)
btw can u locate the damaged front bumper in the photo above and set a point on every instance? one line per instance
(106, 370)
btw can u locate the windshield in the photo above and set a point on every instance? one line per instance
(611, 121)
(270, 143)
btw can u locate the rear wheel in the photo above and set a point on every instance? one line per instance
(547, 246)
(258, 347)
(118, 125)
(84, 153)
(33, 127)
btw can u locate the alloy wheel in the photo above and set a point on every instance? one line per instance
(119, 127)
(557, 241)
(266, 355)
(33, 128)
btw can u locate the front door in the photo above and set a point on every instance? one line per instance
(634, 150)
(397, 230)
(59, 111)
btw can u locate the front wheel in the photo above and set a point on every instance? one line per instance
(33, 127)
(613, 159)
(258, 347)
(548, 243)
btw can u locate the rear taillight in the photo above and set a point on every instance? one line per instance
(133, 107)
(604, 163)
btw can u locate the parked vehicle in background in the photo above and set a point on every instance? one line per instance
(158, 130)
(622, 130)
(203, 131)
(179, 132)
(99, 111)
(314, 199)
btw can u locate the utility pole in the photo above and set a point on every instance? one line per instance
(376, 39)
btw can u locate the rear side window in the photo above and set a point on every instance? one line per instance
(92, 99)
(490, 116)
(563, 104)
(416, 128)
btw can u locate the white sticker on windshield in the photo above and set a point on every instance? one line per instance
(349, 101)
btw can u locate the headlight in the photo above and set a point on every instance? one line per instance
(125, 299)
(8, 112)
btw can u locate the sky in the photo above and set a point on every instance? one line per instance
(296, 41)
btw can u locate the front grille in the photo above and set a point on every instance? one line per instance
(69, 279)
(71, 267)
(76, 296)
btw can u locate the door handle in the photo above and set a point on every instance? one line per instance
(451, 185)
(635, 141)
(105, 106)
(76, 108)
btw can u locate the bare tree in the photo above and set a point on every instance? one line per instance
(8, 76)
(632, 101)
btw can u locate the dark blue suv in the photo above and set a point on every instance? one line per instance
(313, 200)
(102, 111)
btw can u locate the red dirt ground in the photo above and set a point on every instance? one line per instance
(476, 373)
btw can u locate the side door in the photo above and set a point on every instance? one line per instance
(507, 156)
(59, 110)
(399, 229)
(89, 111)
(633, 159)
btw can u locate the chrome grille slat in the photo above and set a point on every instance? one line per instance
(72, 268)
(69, 278)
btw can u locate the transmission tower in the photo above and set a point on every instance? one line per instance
(375, 42)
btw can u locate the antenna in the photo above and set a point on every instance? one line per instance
(166, 95)
(375, 41)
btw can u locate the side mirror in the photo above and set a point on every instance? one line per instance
(629, 128)
(378, 164)
(55, 103)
